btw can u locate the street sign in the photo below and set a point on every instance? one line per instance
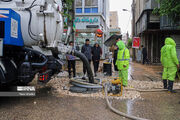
(136, 42)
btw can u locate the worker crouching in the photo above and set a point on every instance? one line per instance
(122, 62)
(170, 63)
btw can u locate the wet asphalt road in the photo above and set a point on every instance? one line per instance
(47, 106)
(50, 107)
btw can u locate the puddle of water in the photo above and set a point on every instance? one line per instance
(129, 105)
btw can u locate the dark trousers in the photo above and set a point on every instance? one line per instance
(72, 65)
(96, 65)
(145, 59)
(115, 66)
(84, 67)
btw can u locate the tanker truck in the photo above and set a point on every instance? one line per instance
(31, 41)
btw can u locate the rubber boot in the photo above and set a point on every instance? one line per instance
(170, 87)
(165, 84)
(74, 74)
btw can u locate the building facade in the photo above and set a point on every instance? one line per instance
(152, 29)
(114, 23)
(91, 16)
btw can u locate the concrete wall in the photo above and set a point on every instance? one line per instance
(177, 40)
(139, 7)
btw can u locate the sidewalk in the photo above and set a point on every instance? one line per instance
(137, 71)
(140, 72)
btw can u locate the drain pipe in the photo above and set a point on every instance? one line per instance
(86, 63)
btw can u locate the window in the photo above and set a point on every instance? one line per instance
(94, 10)
(78, 3)
(91, 3)
(91, 6)
(78, 6)
(87, 10)
(78, 10)
(91, 10)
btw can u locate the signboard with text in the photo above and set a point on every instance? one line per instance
(85, 23)
(136, 42)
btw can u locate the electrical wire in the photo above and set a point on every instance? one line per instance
(32, 3)
(31, 6)
(31, 34)
(29, 26)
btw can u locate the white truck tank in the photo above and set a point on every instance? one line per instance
(41, 20)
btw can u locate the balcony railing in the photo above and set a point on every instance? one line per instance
(167, 24)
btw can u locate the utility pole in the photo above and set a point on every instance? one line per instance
(73, 19)
(133, 27)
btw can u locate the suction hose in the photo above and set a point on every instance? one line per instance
(117, 111)
(86, 63)
(85, 85)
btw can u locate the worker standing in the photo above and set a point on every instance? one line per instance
(114, 50)
(170, 63)
(122, 62)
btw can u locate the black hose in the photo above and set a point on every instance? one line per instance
(31, 34)
(6, 0)
(29, 25)
(45, 59)
(86, 63)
